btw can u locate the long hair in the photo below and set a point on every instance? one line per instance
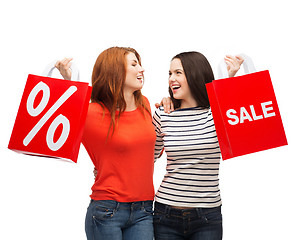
(198, 72)
(108, 80)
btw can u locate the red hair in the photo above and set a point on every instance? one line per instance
(108, 80)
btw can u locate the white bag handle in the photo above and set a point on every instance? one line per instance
(248, 67)
(51, 66)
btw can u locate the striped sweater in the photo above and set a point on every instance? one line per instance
(189, 139)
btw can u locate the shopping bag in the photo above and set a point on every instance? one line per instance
(51, 116)
(245, 112)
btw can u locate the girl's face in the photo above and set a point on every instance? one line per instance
(179, 84)
(134, 74)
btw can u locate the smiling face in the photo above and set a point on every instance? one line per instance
(179, 85)
(134, 74)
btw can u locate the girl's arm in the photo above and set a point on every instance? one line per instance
(159, 144)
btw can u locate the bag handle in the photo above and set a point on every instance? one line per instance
(248, 66)
(51, 66)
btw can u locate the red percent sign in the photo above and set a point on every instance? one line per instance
(60, 119)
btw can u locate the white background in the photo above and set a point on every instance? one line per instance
(47, 199)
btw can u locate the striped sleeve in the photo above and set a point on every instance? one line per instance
(159, 145)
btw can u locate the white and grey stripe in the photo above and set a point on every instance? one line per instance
(189, 139)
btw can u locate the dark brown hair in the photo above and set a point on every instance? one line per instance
(198, 72)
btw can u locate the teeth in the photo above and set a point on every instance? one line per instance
(175, 87)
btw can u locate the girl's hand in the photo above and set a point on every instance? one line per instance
(95, 172)
(167, 103)
(233, 64)
(63, 67)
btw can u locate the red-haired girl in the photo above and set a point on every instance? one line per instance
(119, 138)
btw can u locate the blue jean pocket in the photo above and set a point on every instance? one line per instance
(213, 217)
(102, 211)
(157, 217)
(148, 209)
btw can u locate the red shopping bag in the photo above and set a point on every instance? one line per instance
(51, 116)
(246, 114)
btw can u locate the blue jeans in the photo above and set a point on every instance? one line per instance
(193, 224)
(111, 220)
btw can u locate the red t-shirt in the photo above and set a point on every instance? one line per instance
(125, 161)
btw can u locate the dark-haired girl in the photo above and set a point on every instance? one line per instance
(188, 202)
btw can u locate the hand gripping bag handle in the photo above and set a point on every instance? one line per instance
(51, 66)
(248, 67)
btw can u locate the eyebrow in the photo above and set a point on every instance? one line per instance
(178, 69)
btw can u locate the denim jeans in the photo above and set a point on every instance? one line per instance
(111, 220)
(193, 224)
